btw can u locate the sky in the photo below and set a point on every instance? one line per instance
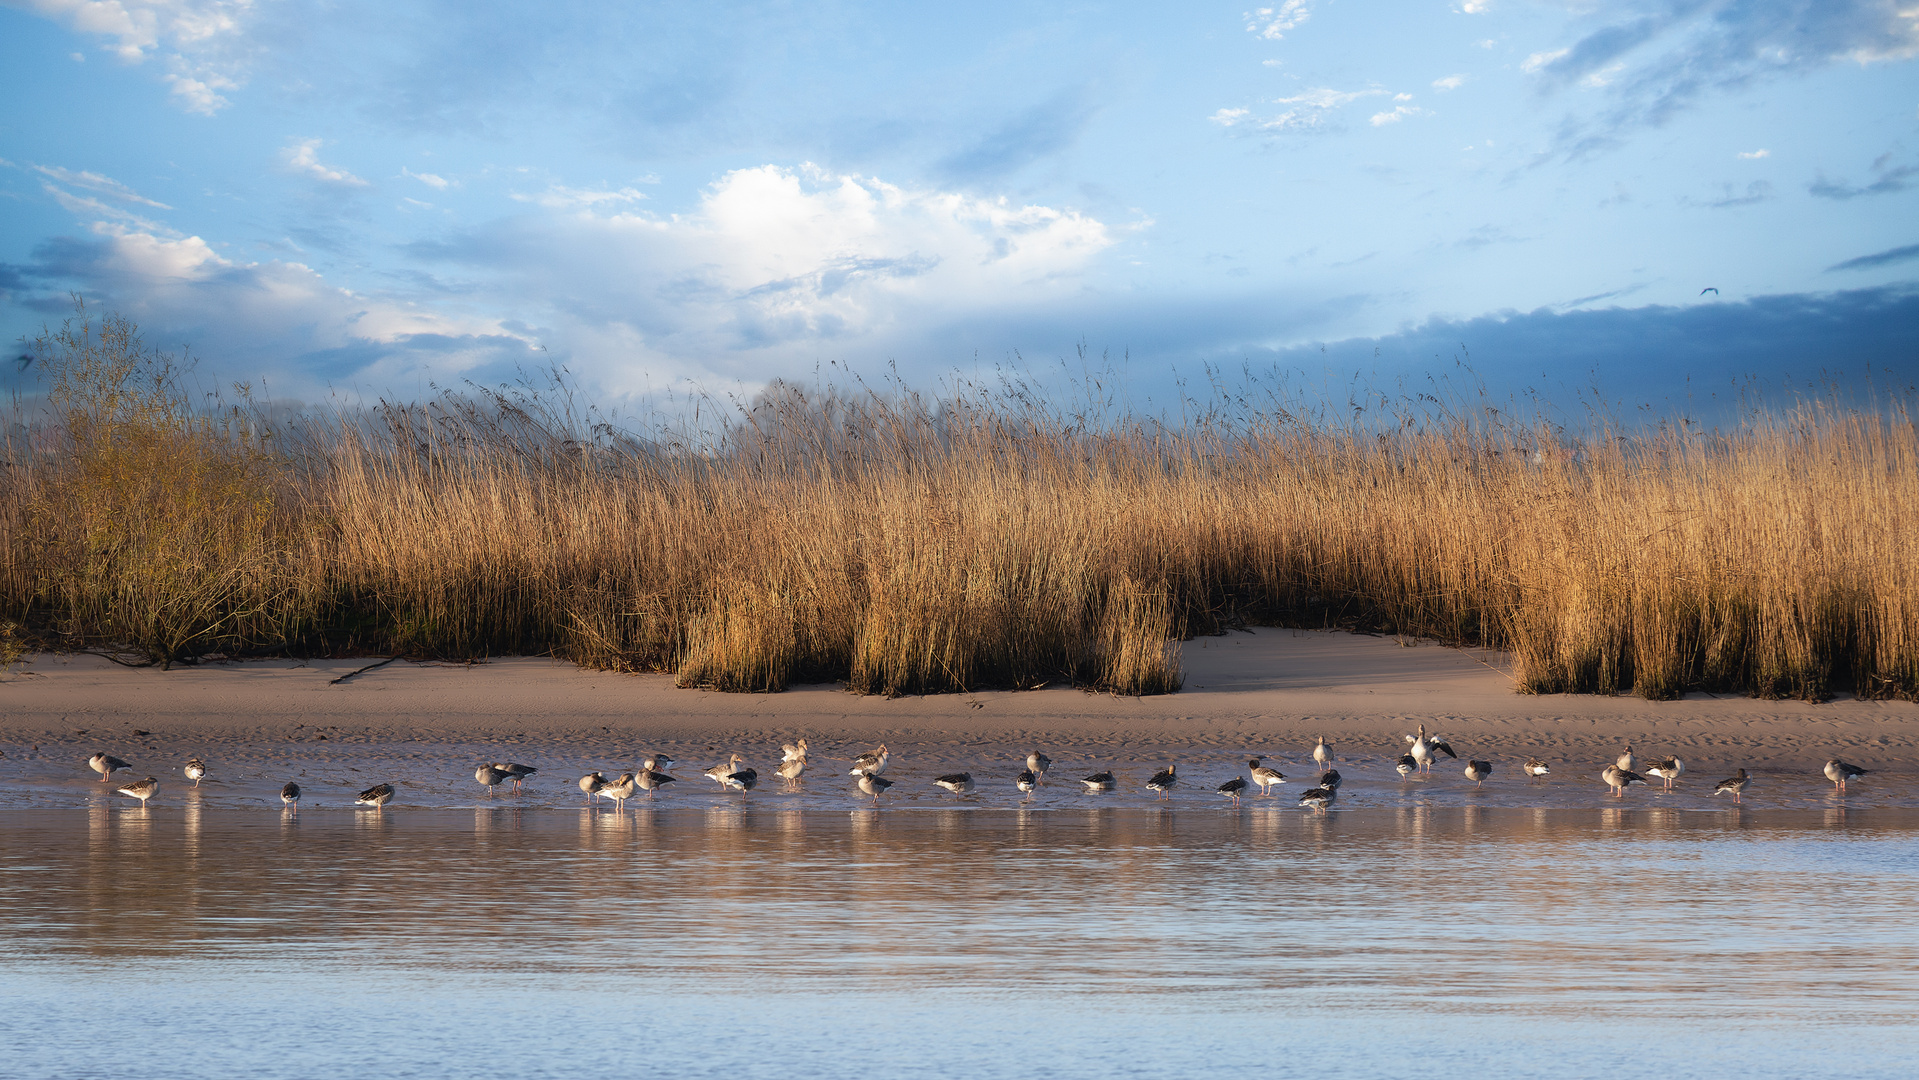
(1653, 199)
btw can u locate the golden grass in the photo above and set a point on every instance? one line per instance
(986, 542)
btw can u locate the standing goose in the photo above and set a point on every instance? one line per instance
(874, 785)
(290, 795)
(872, 764)
(490, 777)
(1265, 777)
(195, 770)
(1536, 768)
(106, 765)
(1407, 765)
(1478, 771)
(1163, 781)
(742, 780)
(1037, 764)
(1322, 751)
(791, 769)
(1319, 798)
(142, 789)
(1627, 762)
(591, 783)
(1734, 786)
(1667, 770)
(724, 769)
(376, 796)
(515, 773)
(1232, 788)
(1099, 781)
(620, 790)
(652, 780)
(1619, 779)
(1839, 772)
(1026, 781)
(793, 751)
(958, 783)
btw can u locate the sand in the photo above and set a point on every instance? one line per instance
(1267, 692)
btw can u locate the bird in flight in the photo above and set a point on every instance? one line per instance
(1709, 289)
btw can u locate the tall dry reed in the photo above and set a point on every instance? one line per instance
(986, 540)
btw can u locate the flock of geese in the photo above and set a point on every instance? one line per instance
(733, 774)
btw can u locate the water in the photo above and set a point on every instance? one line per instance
(196, 940)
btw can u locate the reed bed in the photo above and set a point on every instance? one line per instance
(985, 540)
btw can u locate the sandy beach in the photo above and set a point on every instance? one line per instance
(1267, 693)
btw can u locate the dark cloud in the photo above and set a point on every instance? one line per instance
(1877, 259)
(1890, 181)
(1038, 132)
(1658, 59)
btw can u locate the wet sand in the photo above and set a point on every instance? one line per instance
(1264, 693)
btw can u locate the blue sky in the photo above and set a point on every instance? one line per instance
(365, 198)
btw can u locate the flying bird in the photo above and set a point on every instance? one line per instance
(1709, 289)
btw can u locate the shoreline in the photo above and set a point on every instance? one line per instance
(1266, 693)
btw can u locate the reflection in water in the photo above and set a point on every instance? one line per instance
(1094, 935)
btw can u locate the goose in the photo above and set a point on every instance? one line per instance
(652, 780)
(1734, 786)
(958, 783)
(290, 795)
(515, 773)
(1478, 771)
(1330, 780)
(1099, 781)
(793, 751)
(491, 777)
(195, 770)
(1163, 781)
(1026, 781)
(1536, 768)
(1439, 743)
(724, 769)
(742, 781)
(872, 764)
(142, 789)
(1322, 751)
(620, 790)
(1037, 764)
(1619, 779)
(376, 796)
(1407, 765)
(1319, 798)
(1667, 770)
(1232, 788)
(1839, 772)
(1265, 777)
(591, 783)
(791, 769)
(658, 763)
(1627, 761)
(106, 765)
(874, 785)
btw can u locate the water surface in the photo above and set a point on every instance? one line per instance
(195, 940)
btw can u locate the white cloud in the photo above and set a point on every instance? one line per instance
(202, 41)
(1381, 119)
(1302, 112)
(1602, 78)
(303, 156)
(103, 215)
(1272, 24)
(1474, 7)
(1450, 82)
(1755, 154)
(559, 197)
(436, 182)
(93, 181)
(1541, 59)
